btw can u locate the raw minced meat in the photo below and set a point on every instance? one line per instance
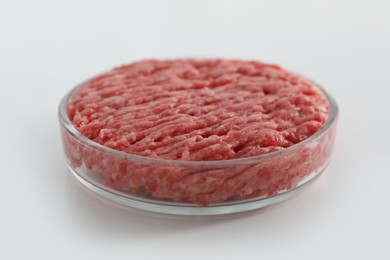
(198, 110)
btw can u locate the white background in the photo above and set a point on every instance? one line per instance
(47, 47)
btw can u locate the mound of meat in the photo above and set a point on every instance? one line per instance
(198, 110)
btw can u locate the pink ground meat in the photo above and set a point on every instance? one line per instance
(198, 110)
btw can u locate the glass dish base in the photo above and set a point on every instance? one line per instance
(190, 209)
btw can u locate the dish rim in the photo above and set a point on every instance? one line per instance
(72, 131)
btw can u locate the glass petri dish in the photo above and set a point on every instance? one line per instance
(171, 186)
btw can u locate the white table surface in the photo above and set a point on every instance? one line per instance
(47, 47)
